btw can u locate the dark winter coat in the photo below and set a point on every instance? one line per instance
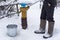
(52, 2)
(48, 11)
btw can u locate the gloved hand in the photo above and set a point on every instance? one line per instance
(49, 4)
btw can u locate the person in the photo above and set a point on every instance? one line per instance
(47, 14)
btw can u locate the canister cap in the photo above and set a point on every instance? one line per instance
(23, 4)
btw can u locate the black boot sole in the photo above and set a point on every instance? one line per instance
(46, 37)
(39, 32)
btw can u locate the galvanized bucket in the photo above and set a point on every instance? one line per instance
(12, 30)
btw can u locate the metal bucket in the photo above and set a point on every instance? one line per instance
(12, 30)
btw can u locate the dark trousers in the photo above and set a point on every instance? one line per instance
(47, 13)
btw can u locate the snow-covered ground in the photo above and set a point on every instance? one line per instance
(33, 18)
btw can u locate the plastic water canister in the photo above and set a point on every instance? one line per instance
(12, 30)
